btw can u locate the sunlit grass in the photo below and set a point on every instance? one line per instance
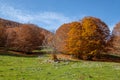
(37, 68)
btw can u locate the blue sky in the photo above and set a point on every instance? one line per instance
(50, 14)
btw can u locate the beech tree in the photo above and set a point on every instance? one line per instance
(11, 36)
(73, 41)
(87, 38)
(2, 36)
(61, 36)
(114, 42)
(25, 38)
(96, 34)
(28, 38)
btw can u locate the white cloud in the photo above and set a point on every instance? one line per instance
(14, 13)
(51, 20)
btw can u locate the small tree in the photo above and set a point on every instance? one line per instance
(49, 44)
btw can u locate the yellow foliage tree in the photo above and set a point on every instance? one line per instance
(95, 34)
(73, 42)
(87, 38)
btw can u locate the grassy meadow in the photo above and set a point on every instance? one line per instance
(38, 68)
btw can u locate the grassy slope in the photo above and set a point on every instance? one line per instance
(36, 68)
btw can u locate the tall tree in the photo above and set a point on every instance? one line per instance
(96, 34)
(87, 38)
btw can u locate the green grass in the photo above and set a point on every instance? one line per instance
(36, 68)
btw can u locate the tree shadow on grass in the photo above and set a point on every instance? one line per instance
(108, 58)
(103, 58)
(19, 54)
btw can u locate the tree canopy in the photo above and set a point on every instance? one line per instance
(87, 37)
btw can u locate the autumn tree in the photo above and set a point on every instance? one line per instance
(21, 37)
(114, 42)
(87, 38)
(61, 36)
(73, 41)
(28, 38)
(4, 25)
(25, 38)
(11, 36)
(96, 34)
(2, 36)
(50, 45)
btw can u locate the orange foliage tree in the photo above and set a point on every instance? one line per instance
(114, 42)
(61, 36)
(73, 41)
(24, 38)
(87, 38)
(11, 36)
(28, 38)
(2, 36)
(96, 34)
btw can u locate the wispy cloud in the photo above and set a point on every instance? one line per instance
(51, 20)
(13, 13)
